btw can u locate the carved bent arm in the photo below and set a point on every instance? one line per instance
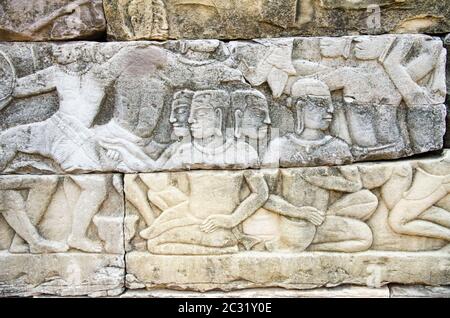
(337, 79)
(259, 195)
(35, 84)
(411, 92)
(279, 205)
(348, 181)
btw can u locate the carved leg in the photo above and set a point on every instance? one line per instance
(420, 218)
(341, 234)
(16, 216)
(175, 217)
(39, 197)
(93, 194)
(359, 205)
(138, 198)
(190, 240)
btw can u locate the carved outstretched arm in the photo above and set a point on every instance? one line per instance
(148, 56)
(349, 180)
(35, 84)
(67, 9)
(259, 195)
(337, 79)
(257, 198)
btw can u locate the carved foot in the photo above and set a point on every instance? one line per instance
(19, 248)
(85, 245)
(45, 246)
(446, 248)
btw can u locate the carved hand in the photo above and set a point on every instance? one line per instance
(312, 215)
(358, 151)
(214, 222)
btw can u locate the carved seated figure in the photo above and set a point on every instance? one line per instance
(206, 222)
(309, 144)
(423, 209)
(311, 219)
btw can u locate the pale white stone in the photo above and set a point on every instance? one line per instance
(61, 235)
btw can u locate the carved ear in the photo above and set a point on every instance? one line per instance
(219, 123)
(237, 123)
(300, 121)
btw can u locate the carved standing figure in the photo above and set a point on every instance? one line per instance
(66, 136)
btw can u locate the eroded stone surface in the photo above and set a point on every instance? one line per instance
(418, 291)
(367, 224)
(447, 102)
(61, 234)
(49, 20)
(339, 292)
(246, 19)
(177, 105)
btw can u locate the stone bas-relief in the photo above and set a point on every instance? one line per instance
(295, 228)
(44, 20)
(61, 235)
(205, 104)
(247, 19)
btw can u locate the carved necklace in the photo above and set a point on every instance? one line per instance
(80, 73)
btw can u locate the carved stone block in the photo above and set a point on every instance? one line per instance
(206, 104)
(49, 20)
(247, 19)
(447, 102)
(61, 235)
(365, 224)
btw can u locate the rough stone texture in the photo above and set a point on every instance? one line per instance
(447, 102)
(177, 105)
(294, 271)
(50, 20)
(368, 224)
(401, 291)
(61, 235)
(246, 19)
(339, 292)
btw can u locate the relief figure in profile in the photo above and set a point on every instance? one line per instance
(251, 119)
(310, 143)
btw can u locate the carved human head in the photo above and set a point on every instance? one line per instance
(371, 47)
(250, 114)
(179, 112)
(208, 113)
(71, 53)
(335, 47)
(312, 105)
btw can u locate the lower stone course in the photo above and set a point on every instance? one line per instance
(297, 271)
(71, 274)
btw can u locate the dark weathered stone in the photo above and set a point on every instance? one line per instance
(247, 19)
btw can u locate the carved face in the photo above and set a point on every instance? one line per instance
(317, 112)
(67, 54)
(203, 118)
(255, 118)
(179, 116)
(369, 48)
(330, 47)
